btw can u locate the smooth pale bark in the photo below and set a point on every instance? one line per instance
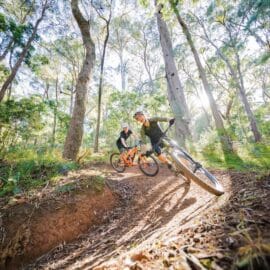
(228, 110)
(224, 138)
(265, 95)
(75, 132)
(242, 92)
(146, 63)
(46, 90)
(175, 90)
(100, 87)
(122, 70)
(55, 111)
(239, 83)
(23, 54)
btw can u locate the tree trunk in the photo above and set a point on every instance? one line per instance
(23, 54)
(46, 91)
(101, 82)
(242, 92)
(146, 64)
(224, 138)
(239, 83)
(4, 54)
(75, 131)
(55, 112)
(123, 71)
(265, 95)
(228, 110)
(175, 90)
(71, 97)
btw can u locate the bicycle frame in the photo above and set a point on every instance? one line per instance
(128, 161)
(171, 145)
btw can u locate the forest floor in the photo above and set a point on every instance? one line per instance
(156, 223)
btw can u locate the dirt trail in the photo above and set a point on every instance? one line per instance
(160, 208)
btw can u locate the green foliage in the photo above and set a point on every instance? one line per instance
(97, 158)
(18, 34)
(20, 121)
(255, 9)
(3, 23)
(30, 168)
(263, 59)
(247, 156)
(66, 188)
(98, 182)
(38, 61)
(263, 117)
(4, 72)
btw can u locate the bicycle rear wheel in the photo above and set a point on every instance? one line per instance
(148, 165)
(201, 176)
(117, 163)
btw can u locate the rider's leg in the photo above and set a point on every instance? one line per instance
(160, 156)
(123, 154)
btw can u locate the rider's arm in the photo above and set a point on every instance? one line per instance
(123, 141)
(143, 136)
(160, 119)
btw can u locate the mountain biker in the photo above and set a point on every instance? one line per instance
(121, 142)
(124, 135)
(151, 128)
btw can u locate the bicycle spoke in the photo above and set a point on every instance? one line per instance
(197, 173)
(148, 165)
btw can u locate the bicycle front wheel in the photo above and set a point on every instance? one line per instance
(148, 165)
(200, 176)
(117, 163)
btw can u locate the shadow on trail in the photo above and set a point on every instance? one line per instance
(153, 204)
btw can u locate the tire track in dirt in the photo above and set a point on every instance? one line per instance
(152, 208)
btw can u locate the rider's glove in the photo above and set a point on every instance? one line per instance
(171, 122)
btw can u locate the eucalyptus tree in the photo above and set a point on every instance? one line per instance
(119, 41)
(176, 95)
(146, 50)
(71, 52)
(14, 25)
(233, 40)
(75, 131)
(224, 138)
(101, 8)
(255, 19)
(43, 8)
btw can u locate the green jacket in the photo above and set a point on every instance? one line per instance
(154, 131)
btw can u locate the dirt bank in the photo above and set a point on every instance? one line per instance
(33, 227)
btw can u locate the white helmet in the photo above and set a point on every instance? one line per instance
(124, 125)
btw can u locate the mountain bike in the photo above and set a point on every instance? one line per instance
(147, 163)
(188, 167)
